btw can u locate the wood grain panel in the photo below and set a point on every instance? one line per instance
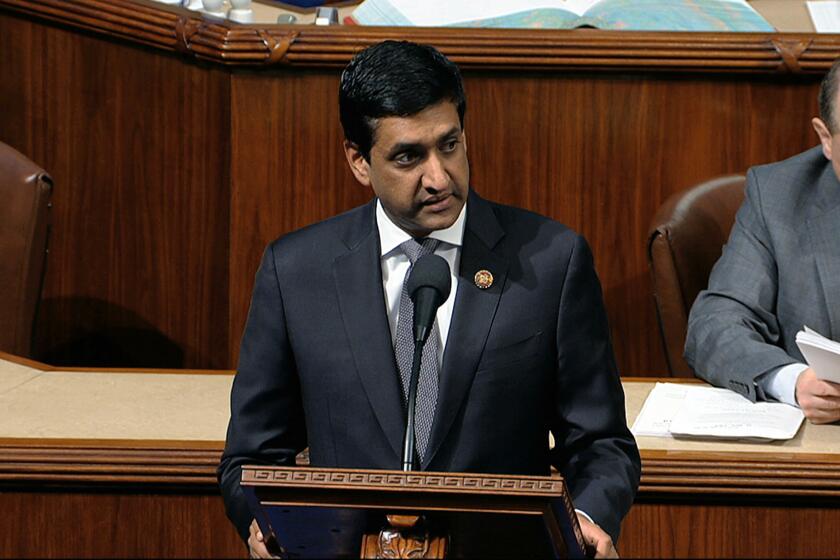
(137, 143)
(599, 153)
(171, 176)
(170, 28)
(113, 499)
(98, 522)
(127, 462)
(288, 168)
(695, 528)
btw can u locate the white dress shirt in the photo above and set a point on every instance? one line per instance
(395, 264)
(781, 383)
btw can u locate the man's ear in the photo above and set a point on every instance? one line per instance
(358, 164)
(824, 134)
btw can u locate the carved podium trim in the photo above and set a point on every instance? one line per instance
(409, 494)
(408, 481)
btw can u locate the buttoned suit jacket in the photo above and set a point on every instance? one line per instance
(779, 271)
(530, 353)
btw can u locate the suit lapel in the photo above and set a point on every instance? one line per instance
(824, 230)
(358, 281)
(472, 317)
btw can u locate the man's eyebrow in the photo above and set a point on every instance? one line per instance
(454, 131)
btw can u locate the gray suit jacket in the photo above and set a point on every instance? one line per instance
(779, 271)
(529, 354)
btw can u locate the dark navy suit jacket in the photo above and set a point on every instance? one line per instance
(530, 354)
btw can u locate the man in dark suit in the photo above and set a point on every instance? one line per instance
(520, 347)
(779, 271)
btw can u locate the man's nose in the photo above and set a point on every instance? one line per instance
(435, 176)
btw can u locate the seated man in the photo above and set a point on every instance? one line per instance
(779, 271)
(521, 346)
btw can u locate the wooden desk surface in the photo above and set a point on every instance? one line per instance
(186, 407)
(190, 408)
(78, 445)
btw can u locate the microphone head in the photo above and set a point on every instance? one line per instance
(430, 271)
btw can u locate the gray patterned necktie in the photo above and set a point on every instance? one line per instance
(427, 385)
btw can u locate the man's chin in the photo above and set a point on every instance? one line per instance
(439, 223)
(428, 219)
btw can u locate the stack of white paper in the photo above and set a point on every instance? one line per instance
(660, 407)
(674, 409)
(825, 16)
(821, 353)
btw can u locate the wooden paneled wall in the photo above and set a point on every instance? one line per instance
(138, 145)
(102, 522)
(599, 153)
(733, 527)
(172, 174)
(136, 499)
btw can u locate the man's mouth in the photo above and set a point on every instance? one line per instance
(438, 203)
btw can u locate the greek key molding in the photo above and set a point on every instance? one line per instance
(398, 480)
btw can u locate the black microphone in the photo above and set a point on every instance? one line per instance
(428, 285)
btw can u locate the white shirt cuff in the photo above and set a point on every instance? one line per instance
(780, 384)
(586, 515)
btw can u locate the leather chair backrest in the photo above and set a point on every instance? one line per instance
(25, 191)
(686, 240)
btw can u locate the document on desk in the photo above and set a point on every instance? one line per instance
(825, 15)
(684, 410)
(821, 353)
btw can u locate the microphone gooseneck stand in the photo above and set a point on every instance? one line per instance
(408, 447)
(428, 285)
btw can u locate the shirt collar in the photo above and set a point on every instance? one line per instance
(391, 236)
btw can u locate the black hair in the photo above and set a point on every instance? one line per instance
(828, 97)
(394, 79)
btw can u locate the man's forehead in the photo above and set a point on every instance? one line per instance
(428, 126)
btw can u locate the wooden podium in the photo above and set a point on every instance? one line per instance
(350, 513)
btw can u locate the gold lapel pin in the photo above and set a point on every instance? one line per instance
(483, 279)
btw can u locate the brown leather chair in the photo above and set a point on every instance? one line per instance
(25, 191)
(686, 239)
